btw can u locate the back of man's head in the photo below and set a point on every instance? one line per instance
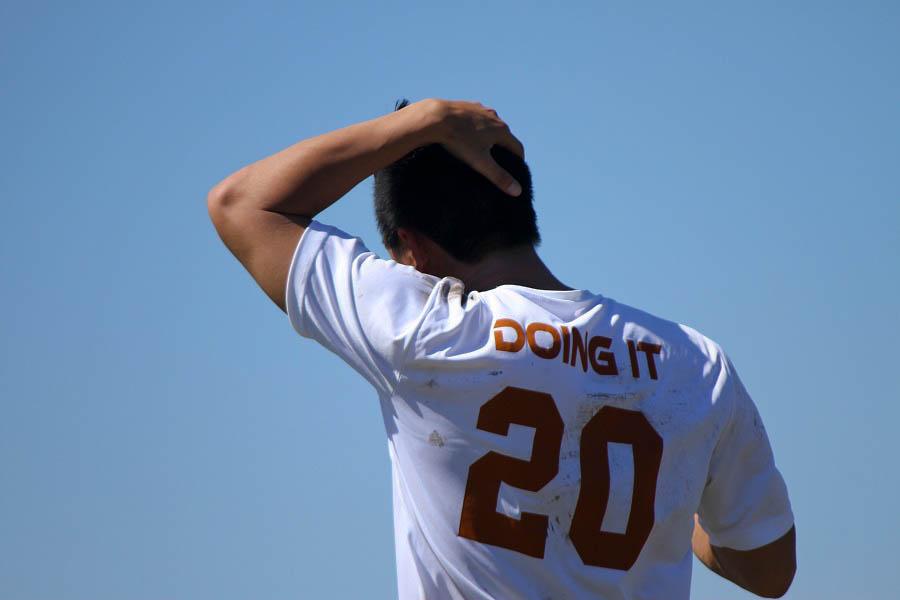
(432, 192)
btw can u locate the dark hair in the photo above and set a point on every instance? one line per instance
(431, 191)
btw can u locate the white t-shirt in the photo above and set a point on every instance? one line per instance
(544, 444)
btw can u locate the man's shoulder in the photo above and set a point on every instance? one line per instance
(682, 339)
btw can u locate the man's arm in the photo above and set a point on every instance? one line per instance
(767, 571)
(261, 210)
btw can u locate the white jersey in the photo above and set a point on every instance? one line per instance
(544, 444)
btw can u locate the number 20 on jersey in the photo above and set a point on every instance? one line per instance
(480, 520)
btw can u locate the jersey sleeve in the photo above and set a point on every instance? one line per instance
(363, 308)
(745, 503)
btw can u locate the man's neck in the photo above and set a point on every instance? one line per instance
(514, 266)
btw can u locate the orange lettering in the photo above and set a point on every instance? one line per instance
(578, 344)
(608, 366)
(531, 332)
(649, 350)
(508, 346)
(632, 355)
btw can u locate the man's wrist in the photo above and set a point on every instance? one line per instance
(427, 120)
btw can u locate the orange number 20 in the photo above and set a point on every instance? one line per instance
(480, 520)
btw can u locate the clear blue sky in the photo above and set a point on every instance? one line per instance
(165, 435)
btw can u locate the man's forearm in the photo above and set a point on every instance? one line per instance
(703, 549)
(309, 176)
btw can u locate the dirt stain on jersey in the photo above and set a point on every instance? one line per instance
(436, 440)
(626, 397)
(594, 401)
(670, 413)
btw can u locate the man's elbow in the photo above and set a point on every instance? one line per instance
(222, 197)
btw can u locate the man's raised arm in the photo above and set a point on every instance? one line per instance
(261, 210)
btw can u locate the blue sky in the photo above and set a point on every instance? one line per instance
(166, 435)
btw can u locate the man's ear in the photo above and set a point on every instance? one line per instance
(402, 255)
(413, 250)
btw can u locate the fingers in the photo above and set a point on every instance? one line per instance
(501, 177)
(472, 131)
(487, 166)
(506, 137)
(512, 143)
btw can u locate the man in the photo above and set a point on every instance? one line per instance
(625, 425)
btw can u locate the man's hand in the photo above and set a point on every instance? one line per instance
(469, 130)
